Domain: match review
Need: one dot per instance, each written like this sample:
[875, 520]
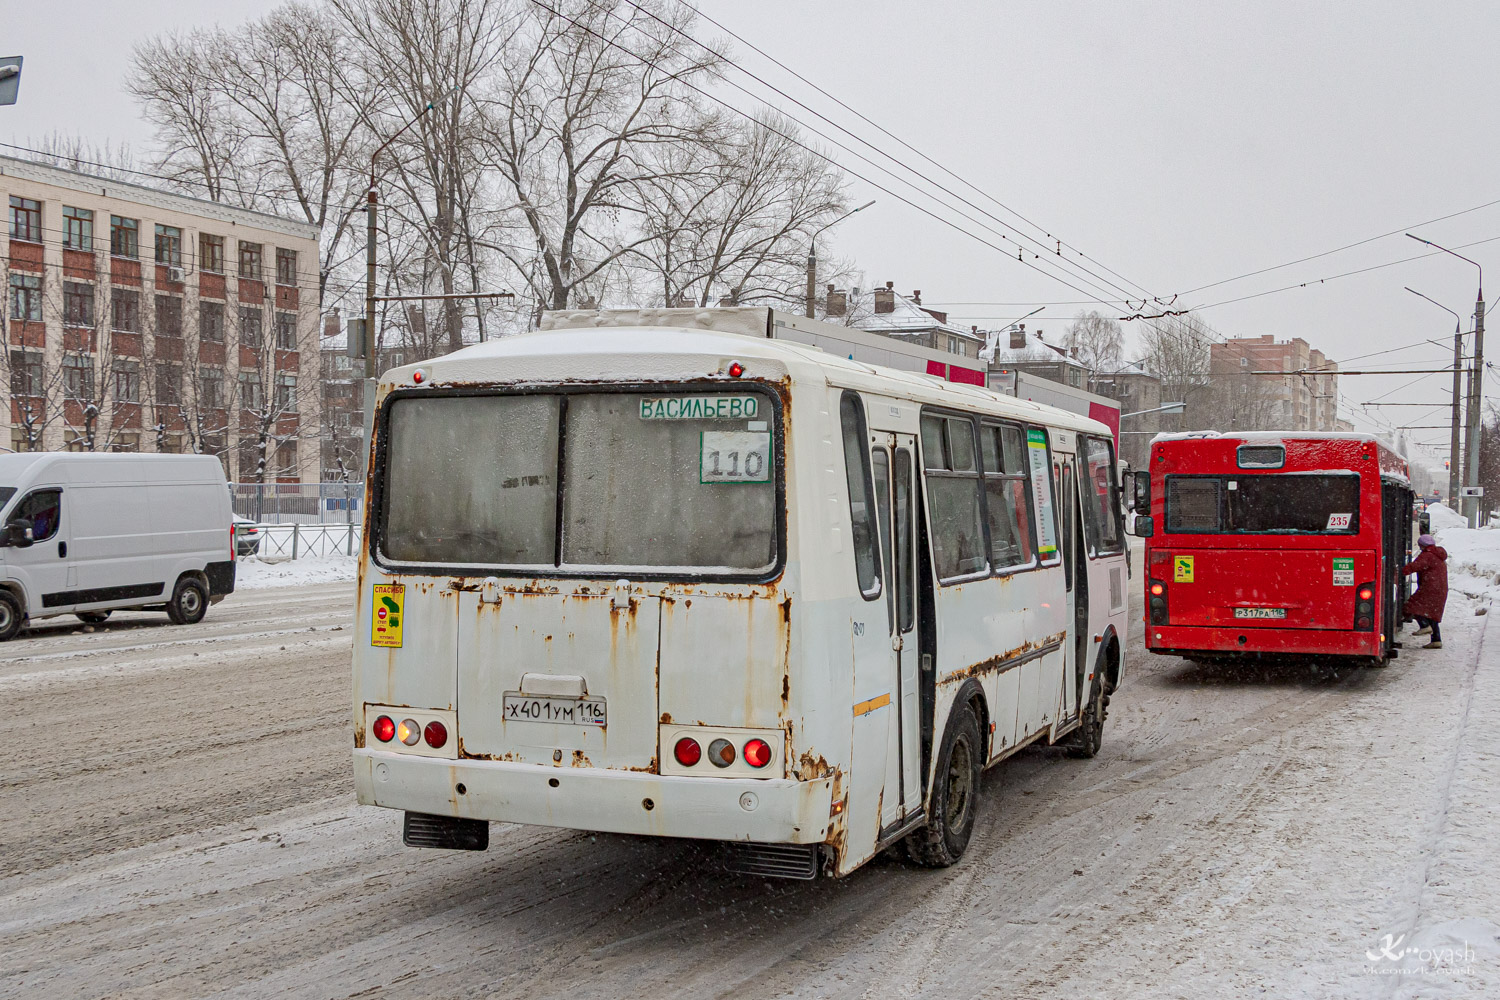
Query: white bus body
[87, 534]
[858, 580]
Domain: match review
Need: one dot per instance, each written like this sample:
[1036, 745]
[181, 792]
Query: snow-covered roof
[1036, 349]
[910, 317]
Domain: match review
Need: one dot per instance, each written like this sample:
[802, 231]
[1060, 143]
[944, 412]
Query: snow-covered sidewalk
[253, 573]
[1473, 553]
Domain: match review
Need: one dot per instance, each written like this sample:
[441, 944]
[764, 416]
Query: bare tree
[1095, 340]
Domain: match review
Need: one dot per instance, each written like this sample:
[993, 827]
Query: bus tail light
[757, 753]
[1364, 608]
[721, 753]
[687, 751]
[385, 729]
[1159, 614]
[409, 732]
[436, 734]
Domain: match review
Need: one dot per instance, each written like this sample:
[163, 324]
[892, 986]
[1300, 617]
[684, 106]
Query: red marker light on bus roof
[736, 369]
[418, 376]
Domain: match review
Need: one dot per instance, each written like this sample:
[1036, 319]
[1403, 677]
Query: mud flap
[447, 833]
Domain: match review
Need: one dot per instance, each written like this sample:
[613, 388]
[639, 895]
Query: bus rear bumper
[1187, 640]
[764, 810]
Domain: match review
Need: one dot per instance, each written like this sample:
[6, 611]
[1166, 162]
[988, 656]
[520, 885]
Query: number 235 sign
[734, 457]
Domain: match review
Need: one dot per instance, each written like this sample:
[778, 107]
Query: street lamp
[1453, 476]
[1476, 387]
[812, 255]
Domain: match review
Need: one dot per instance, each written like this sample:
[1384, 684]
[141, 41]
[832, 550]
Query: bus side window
[881, 466]
[861, 501]
[1007, 504]
[954, 488]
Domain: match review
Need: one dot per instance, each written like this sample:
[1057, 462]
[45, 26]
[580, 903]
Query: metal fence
[298, 541]
[299, 503]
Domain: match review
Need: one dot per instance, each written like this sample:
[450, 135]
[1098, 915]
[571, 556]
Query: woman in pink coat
[1426, 605]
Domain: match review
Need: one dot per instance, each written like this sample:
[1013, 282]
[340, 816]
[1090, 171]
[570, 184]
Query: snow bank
[1473, 553]
[255, 574]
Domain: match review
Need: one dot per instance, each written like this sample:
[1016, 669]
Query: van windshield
[662, 481]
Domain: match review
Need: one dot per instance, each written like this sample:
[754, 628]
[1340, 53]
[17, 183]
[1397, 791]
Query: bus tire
[1084, 742]
[955, 796]
[12, 617]
[189, 602]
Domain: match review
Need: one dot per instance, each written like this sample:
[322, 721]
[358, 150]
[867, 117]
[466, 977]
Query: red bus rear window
[1288, 503]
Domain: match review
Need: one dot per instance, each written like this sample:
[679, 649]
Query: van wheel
[93, 617]
[11, 615]
[189, 602]
[1087, 738]
[955, 796]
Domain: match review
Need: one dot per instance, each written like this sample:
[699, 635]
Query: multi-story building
[1297, 402]
[1017, 349]
[141, 320]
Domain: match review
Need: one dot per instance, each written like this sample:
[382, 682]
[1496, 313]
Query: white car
[88, 534]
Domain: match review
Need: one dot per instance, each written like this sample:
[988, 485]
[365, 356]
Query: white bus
[652, 578]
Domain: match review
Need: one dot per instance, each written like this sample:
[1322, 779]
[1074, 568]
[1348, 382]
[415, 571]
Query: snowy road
[176, 819]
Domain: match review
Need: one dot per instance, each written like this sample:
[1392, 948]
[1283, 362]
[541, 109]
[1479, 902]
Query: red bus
[1268, 544]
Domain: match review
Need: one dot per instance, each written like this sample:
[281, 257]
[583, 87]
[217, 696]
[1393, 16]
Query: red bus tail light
[385, 729]
[757, 753]
[687, 751]
[1364, 608]
[1159, 613]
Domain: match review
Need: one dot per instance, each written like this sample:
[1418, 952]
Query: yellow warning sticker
[1182, 569]
[385, 617]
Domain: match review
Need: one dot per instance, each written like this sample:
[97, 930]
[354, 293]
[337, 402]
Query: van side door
[44, 568]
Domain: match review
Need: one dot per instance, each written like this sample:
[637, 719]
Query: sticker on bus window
[700, 408]
[1338, 522]
[1182, 569]
[734, 457]
[1041, 495]
[1343, 572]
[386, 615]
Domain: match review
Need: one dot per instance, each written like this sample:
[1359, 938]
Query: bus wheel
[955, 796]
[11, 615]
[1089, 736]
[189, 602]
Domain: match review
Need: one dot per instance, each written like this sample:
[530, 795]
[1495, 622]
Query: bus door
[1075, 565]
[894, 469]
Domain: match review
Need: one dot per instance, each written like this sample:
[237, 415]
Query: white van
[87, 534]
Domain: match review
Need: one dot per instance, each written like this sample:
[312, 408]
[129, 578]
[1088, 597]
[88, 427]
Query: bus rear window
[1292, 503]
[663, 482]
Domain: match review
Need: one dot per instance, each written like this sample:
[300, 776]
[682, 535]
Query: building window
[286, 331]
[78, 303]
[26, 297]
[211, 388]
[286, 458]
[125, 310]
[286, 393]
[250, 254]
[124, 237]
[251, 398]
[78, 228]
[250, 327]
[26, 373]
[211, 322]
[126, 442]
[127, 379]
[168, 385]
[25, 219]
[286, 267]
[169, 245]
[168, 316]
[211, 253]
[78, 377]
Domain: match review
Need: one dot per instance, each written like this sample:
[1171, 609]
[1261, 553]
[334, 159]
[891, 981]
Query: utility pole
[1453, 448]
[812, 256]
[1476, 389]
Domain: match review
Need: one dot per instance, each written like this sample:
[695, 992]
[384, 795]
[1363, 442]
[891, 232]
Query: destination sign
[699, 408]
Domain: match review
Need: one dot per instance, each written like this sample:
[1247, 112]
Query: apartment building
[140, 320]
[1295, 402]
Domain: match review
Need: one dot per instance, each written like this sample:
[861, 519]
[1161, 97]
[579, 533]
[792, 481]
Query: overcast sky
[1177, 144]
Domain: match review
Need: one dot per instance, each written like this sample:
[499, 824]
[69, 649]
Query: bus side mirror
[1145, 526]
[1141, 501]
